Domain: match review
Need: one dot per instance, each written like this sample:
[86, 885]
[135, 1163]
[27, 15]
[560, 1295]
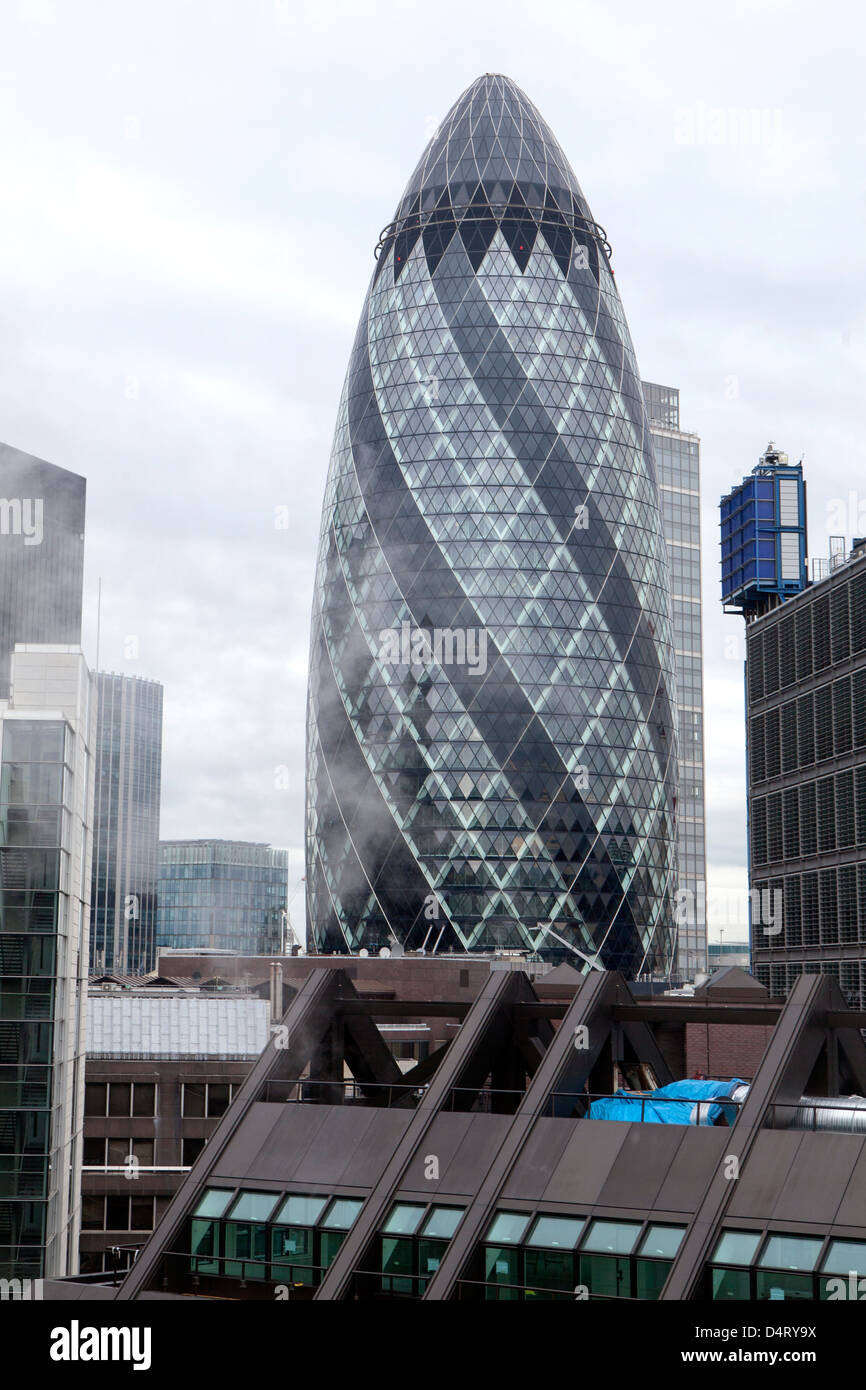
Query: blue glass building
[126, 824]
[221, 893]
[492, 745]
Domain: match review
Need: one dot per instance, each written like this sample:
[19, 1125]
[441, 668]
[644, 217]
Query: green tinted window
[731, 1284]
[300, 1211]
[662, 1241]
[549, 1269]
[213, 1202]
[397, 1260]
[507, 1227]
[790, 1252]
[341, 1213]
[294, 1241]
[500, 1267]
[253, 1206]
[331, 1242]
[556, 1232]
[606, 1276]
[403, 1219]
[430, 1254]
[774, 1285]
[845, 1257]
[442, 1222]
[736, 1247]
[651, 1275]
[618, 1237]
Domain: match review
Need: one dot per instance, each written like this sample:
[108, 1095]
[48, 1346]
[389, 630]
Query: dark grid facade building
[491, 746]
[480, 1175]
[221, 893]
[678, 465]
[126, 827]
[806, 702]
[41, 554]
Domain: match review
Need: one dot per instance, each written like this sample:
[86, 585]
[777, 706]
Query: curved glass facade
[491, 743]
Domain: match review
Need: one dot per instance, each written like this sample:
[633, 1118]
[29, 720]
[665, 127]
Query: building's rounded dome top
[493, 136]
[492, 162]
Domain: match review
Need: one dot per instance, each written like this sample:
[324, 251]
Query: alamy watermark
[419, 646]
[21, 1290]
[733, 125]
[762, 907]
[22, 516]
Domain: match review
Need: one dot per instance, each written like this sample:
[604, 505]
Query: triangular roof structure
[733, 983]
[563, 981]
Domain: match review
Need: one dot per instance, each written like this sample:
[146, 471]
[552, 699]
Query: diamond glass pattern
[491, 740]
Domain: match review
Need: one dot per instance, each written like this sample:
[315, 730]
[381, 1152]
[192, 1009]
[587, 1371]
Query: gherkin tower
[491, 731]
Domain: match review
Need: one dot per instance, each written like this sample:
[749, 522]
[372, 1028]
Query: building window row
[289, 1239]
[815, 636]
[817, 817]
[526, 1256]
[781, 976]
[757, 1266]
[824, 723]
[100, 1152]
[826, 907]
[117, 1153]
[117, 1213]
[205, 1099]
[120, 1098]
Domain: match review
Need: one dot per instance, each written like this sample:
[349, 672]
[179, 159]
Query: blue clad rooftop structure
[764, 534]
[492, 732]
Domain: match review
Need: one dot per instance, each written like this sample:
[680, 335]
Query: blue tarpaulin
[680, 1103]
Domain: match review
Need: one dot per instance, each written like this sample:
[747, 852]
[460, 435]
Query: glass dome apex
[493, 135]
[493, 164]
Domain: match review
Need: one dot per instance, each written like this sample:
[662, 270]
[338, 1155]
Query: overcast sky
[190, 194]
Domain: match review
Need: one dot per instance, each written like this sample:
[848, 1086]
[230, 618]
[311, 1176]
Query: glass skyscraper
[678, 462]
[47, 729]
[492, 736]
[221, 893]
[46, 804]
[126, 824]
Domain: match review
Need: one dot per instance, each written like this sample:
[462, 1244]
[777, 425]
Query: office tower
[806, 723]
[46, 808]
[805, 729]
[491, 744]
[41, 554]
[678, 466]
[126, 824]
[222, 893]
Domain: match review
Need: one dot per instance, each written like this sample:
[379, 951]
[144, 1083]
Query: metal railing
[485, 1289]
[485, 1100]
[818, 1114]
[516, 214]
